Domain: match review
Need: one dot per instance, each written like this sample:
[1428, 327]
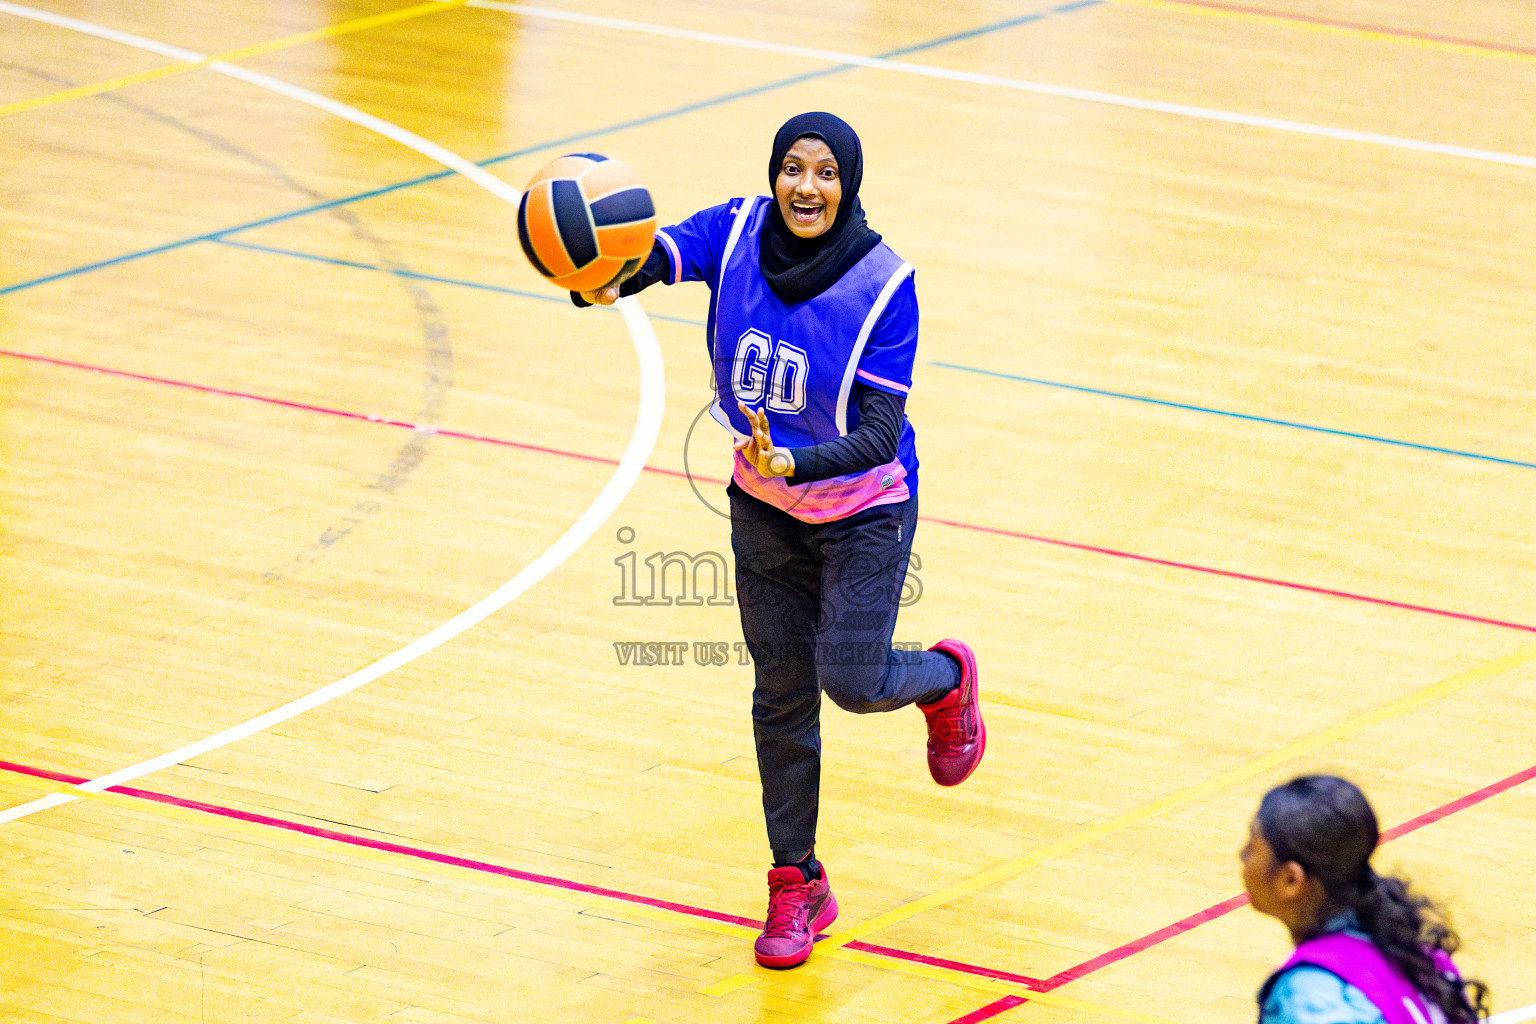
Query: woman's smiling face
[808, 187]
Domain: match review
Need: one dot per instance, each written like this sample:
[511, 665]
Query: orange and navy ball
[586, 222]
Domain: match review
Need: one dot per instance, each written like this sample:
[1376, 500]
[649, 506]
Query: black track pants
[818, 609]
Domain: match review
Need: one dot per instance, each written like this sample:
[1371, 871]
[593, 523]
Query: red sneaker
[957, 737]
[797, 910]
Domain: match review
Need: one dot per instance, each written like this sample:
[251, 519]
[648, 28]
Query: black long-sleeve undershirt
[655, 268]
[872, 443]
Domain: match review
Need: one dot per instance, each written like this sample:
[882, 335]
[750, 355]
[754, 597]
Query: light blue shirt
[1307, 994]
[1310, 995]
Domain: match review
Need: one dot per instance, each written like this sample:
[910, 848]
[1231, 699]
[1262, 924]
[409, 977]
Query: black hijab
[798, 268]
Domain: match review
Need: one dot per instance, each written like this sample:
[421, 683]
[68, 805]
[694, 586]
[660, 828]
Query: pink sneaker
[957, 737]
[797, 910]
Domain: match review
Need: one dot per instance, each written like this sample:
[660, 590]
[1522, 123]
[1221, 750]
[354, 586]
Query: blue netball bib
[798, 363]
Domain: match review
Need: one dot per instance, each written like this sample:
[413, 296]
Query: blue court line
[543, 297]
[216, 236]
[986, 29]
[1238, 415]
[481, 286]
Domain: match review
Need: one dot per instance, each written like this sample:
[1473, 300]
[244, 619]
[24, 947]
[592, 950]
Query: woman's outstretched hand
[759, 449]
[601, 296]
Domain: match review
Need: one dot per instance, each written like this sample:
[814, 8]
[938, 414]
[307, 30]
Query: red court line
[1145, 942]
[496, 869]
[1400, 33]
[1071, 974]
[1229, 574]
[1430, 817]
[387, 847]
[489, 868]
[326, 410]
[41, 773]
[1073, 545]
[1227, 906]
[952, 965]
[991, 1010]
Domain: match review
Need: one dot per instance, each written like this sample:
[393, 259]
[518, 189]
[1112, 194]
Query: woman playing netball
[1367, 952]
[812, 330]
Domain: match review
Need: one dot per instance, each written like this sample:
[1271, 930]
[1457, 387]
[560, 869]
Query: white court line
[641, 441]
[1041, 88]
[1513, 1016]
[1019, 84]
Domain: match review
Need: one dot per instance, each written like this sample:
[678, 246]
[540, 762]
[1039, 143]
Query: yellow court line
[834, 946]
[319, 844]
[257, 49]
[950, 977]
[1354, 31]
[729, 985]
[1191, 794]
[985, 984]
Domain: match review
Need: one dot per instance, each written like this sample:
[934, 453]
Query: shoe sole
[960, 649]
[827, 916]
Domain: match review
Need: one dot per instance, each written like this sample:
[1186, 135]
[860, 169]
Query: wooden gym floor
[1224, 404]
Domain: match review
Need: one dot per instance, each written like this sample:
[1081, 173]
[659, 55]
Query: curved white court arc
[641, 442]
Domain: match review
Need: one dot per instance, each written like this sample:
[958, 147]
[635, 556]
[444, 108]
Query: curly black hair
[1325, 824]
